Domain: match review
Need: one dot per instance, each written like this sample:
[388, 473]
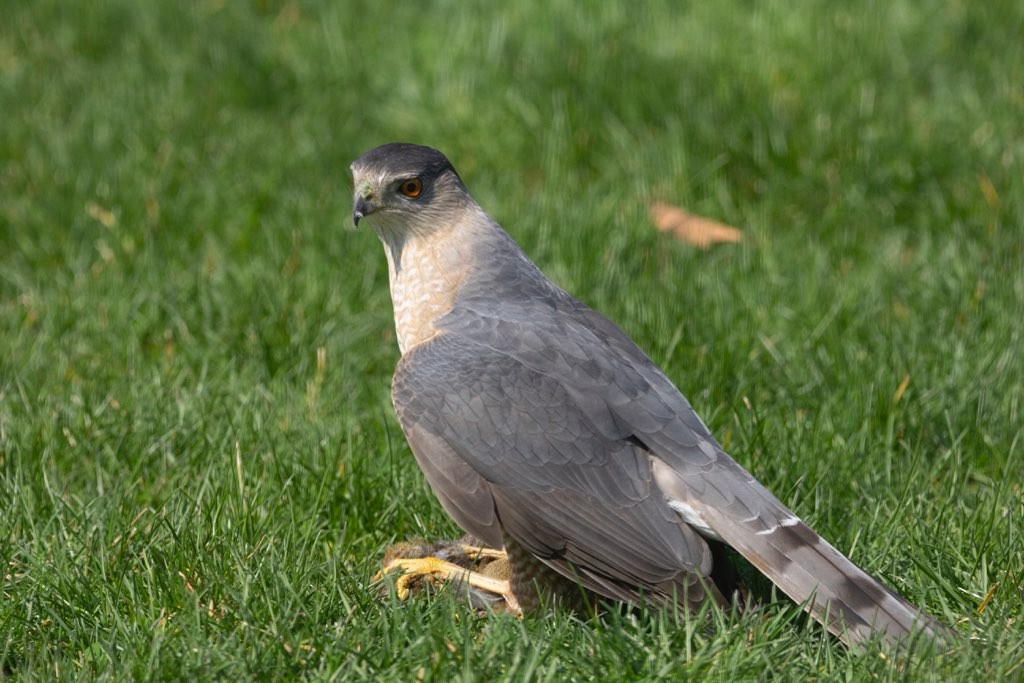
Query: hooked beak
[361, 209]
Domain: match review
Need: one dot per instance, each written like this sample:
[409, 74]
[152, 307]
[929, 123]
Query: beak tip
[360, 210]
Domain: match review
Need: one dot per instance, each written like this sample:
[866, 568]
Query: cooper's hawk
[544, 430]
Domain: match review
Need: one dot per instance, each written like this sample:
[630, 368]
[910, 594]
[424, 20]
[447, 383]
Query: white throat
[427, 265]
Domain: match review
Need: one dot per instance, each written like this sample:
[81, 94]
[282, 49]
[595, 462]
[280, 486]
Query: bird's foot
[481, 571]
[433, 570]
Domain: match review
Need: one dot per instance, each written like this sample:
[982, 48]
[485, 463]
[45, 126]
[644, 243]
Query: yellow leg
[478, 552]
[434, 569]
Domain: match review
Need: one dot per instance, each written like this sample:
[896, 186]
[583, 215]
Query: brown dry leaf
[700, 232]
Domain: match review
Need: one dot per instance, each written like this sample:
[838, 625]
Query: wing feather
[555, 483]
[598, 465]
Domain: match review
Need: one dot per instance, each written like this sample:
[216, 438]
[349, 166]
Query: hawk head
[401, 186]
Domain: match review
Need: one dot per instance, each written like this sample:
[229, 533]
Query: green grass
[185, 491]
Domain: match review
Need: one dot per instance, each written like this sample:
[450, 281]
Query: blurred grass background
[199, 464]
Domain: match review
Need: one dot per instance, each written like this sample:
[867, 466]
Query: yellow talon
[434, 569]
[413, 569]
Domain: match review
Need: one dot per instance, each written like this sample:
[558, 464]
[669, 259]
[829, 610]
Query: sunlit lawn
[199, 463]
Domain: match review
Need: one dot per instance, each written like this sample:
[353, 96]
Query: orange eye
[411, 187]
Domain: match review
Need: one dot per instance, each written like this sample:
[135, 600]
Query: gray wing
[591, 455]
[505, 448]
